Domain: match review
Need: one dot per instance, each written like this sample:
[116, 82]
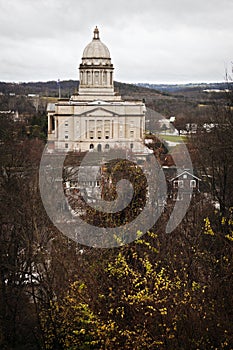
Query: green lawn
[173, 138]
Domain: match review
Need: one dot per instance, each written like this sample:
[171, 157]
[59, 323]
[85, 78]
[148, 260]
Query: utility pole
[59, 88]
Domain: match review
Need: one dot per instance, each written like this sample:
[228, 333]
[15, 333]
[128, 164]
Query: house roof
[185, 172]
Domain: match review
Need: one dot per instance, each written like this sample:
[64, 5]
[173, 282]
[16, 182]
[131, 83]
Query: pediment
[99, 112]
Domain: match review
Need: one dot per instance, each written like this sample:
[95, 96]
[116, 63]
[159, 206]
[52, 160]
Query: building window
[66, 136]
[66, 145]
[91, 146]
[178, 184]
[107, 146]
[107, 128]
[193, 183]
[131, 145]
[99, 126]
[107, 134]
[185, 176]
[131, 134]
[66, 123]
[53, 123]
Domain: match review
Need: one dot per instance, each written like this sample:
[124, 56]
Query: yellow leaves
[152, 308]
[230, 222]
[77, 286]
[195, 286]
[226, 221]
[171, 336]
[120, 311]
[148, 245]
[152, 234]
[159, 342]
[204, 289]
[163, 311]
[76, 324]
[141, 304]
[229, 236]
[148, 266]
[81, 331]
[101, 296]
[207, 228]
[139, 233]
[118, 240]
[119, 267]
[226, 230]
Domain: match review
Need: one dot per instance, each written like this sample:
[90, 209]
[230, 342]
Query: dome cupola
[96, 69]
[96, 49]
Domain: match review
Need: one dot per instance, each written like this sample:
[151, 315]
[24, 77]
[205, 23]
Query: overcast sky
[156, 41]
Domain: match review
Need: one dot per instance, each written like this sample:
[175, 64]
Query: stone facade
[96, 118]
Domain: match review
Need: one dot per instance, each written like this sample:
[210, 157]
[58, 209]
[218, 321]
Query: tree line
[163, 291]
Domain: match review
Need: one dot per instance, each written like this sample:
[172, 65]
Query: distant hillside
[68, 87]
[128, 91]
[186, 87]
[180, 98]
[150, 92]
[49, 88]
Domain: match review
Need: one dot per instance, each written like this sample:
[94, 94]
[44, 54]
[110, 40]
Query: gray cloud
[153, 40]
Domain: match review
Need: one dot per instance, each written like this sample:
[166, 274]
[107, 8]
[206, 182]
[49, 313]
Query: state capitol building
[96, 118]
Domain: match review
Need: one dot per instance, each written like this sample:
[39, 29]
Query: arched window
[99, 147]
[91, 146]
[107, 146]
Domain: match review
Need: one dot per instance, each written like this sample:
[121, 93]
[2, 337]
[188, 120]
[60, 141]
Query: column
[49, 124]
[112, 129]
[111, 81]
[101, 77]
[56, 127]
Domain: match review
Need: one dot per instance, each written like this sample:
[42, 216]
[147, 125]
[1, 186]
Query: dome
[96, 49]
